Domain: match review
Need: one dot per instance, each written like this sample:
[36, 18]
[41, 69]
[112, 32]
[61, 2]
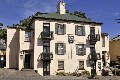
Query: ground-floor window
[60, 65]
[81, 65]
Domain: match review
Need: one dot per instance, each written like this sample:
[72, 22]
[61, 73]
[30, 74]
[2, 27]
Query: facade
[58, 42]
[114, 49]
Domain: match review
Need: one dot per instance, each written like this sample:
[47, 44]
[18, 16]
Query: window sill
[60, 54]
[60, 34]
[80, 35]
[81, 54]
[60, 69]
[27, 41]
[81, 69]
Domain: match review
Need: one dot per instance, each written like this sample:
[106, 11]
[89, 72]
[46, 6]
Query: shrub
[85, 73]
[61, 73]
[105, 72]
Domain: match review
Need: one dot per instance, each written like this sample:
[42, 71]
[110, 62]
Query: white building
[58, 42]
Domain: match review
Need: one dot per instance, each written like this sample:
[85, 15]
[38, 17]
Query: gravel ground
[11, 74]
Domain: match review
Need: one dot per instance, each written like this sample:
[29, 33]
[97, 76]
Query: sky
[104, 11]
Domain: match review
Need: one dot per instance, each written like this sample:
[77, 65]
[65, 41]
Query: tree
[26, 22]
[3, 34]
[1, 24]
[80, 14]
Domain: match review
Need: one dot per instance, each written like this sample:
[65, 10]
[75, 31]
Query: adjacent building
[58, 42]
[114, 50]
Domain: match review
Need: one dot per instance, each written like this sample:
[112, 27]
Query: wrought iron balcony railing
[46, 56]
[94, 38]
[94, 56]
[47, 35]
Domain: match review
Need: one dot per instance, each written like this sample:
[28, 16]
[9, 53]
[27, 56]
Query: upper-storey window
[92, 30]
[60, 29]
[80, 30]
[27, 35]
[103, 41]
[60, 48]
[80, 49]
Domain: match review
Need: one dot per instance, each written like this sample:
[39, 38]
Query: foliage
[67, 11]
[26, 22]
[1, 24]
[80, 14]
[60, 73]
[105, 72]
[3, 34]
[85, 73]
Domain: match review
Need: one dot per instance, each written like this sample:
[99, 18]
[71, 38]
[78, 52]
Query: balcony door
[46, 29]
[46, 68]
[92, 30]
[46, 63]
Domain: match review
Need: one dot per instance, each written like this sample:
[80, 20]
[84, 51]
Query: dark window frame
[60, 64]
[82, 65]
[60, 25]
[83, 49]
[83, 30]
[28, 37]
[63, 48]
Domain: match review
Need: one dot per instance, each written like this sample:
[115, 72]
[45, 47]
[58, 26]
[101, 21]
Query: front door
[27, 61]
[2, 60]
[46, 68]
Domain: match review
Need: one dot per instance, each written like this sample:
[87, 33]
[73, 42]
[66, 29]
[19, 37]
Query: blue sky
[105, 11]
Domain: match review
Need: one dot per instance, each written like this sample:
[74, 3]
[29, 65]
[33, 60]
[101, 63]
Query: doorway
[46, 68]
[27, 61]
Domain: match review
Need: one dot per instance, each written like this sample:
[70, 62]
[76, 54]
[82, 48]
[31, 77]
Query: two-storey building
[58, 42]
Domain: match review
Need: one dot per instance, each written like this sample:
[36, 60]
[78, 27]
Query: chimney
[61, 7]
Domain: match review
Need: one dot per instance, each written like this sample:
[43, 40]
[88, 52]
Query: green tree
[1, 24]
[80, 14]
[3, 34]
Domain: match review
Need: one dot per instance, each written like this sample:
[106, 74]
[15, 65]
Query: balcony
[94, 56]
[94, 38]
[46, 56]
[47, 35]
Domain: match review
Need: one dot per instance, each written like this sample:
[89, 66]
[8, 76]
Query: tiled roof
[67, 17]
[115, 38]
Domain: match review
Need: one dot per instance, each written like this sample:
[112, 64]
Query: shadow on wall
[13, 54]
[39, 63]
[39, 42]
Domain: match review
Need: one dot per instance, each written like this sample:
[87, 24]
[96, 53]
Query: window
[80, 30]
[60, 29]
[80, 49]
[27, 36]
[60, 48]
[81, 65]
[60, 65]
[103, 41]
[46, 47]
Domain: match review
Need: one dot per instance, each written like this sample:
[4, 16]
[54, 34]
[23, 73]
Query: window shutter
[64, 47]
[83, 30]
[56, 48]
[76, 30]
[84, 49]
[56, 26]
[64, 28]
[76, 49]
